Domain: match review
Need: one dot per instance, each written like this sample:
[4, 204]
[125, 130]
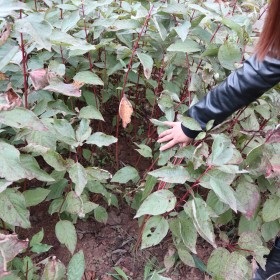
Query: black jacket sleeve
[241, 87]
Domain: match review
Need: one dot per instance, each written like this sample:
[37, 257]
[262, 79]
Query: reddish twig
[135, 46]
[24, 67]
[161, 70]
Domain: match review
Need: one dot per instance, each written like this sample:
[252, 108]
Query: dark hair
[269, 42]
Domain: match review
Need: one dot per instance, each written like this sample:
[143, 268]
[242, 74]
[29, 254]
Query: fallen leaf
[5, 33]
[125, 111]
[9, 100]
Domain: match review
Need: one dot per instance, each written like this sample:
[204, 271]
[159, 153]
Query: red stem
[24, 60]
[156, 94]
[135, 46]
[249, 141]
[212, 38]
[195, 184]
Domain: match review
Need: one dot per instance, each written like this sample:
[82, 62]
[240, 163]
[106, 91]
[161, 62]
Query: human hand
[174, 135]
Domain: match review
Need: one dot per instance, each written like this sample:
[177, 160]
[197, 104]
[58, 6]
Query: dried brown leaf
[39, 78]
[9, 100]
[10, 246]
[3, 77]
[125, 111]
[77, 84]
[5, 33]
[56, 85]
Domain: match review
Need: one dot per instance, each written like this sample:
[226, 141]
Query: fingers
[170, 123]
[165, 138]
[182, 145]
[164, 133]
[168, 145]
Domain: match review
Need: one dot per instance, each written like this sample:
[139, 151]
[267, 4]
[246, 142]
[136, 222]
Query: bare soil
[110, 245]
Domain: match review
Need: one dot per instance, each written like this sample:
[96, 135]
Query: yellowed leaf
[3, 77]
[77, 84]
[125, 111]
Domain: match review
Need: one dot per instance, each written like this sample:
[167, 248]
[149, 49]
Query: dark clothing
[241, 87]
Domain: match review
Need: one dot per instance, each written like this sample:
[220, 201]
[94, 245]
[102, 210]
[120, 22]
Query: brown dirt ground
[110, 245]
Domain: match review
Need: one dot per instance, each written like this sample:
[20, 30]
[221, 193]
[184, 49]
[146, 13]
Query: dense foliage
[70, 63]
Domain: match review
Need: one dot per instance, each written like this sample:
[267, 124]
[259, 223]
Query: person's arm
[240, 88]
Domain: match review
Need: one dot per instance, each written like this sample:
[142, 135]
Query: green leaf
[41, 248]
[39, 29]
[160, 27]
[74, 204]
[10, 166]
[35, 196]
[183, 30]
[237, 267]
[269, 230]
[31, 165]
[226, 194]
[88, 77]
[78, 175]
[66, 234]
[4, 184]
[171, 174]
[199, 264]
[55, 160]
[37, 238]
[190, 123]
[155, 230]
[188, 46]
[147, 62]
[271, 209]
[121, 273]
[249, 198]
[76, 266]
[21, 118]
[186, 257]
[101, 139]
[229, 54]
[100, 214]
[157, 203]
[70, 21]
[222, 150]
[144, 150]
[7, 8]
[125, 174]
[64, 131]
[13, 208]
[83, 131]
[7, 55]
[216, 263]
[66, 89]
[54, 270]
[58, 69]
[187, 232]
[253, 224]
[201, 215]
[98, 174]
[90, 112]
